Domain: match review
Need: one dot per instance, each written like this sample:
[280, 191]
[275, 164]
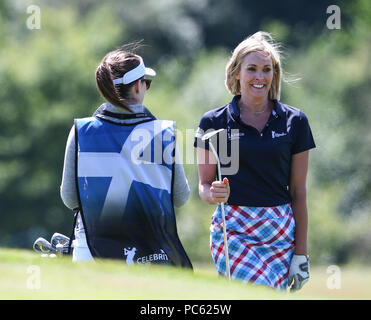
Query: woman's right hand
[219, 191]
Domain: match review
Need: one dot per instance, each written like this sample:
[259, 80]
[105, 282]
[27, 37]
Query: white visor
[135, 74]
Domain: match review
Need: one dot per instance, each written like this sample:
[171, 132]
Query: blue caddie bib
[124, 181]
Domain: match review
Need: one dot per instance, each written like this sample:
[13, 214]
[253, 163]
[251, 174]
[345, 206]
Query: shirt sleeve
[68, 190]
[304, 138]
[181, 187]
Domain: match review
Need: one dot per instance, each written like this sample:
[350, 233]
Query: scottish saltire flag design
[124, 179]
[115, 161]
[260, 243]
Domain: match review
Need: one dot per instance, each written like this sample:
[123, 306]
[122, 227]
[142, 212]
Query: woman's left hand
[299, 271]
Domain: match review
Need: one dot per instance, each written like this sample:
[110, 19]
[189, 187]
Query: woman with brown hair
[120, 173]
[265, 196]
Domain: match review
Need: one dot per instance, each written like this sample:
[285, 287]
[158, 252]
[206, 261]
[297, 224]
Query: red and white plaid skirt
[260, 243]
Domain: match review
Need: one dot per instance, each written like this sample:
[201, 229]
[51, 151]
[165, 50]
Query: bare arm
[299, 169]
[210, 191]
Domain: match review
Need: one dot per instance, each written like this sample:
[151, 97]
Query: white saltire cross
[113, 164]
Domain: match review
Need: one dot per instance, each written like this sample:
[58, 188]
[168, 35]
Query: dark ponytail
[114, 65]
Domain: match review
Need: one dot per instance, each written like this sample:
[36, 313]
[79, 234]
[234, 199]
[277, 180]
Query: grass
[62, 279]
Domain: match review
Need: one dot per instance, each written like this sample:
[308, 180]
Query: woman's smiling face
[256, 74]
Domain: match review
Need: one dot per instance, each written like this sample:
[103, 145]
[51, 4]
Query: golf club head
[42, 245]
[60, 242]
[59, 238]
[210, 134]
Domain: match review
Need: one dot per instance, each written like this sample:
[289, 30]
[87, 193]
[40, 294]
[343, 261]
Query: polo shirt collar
[235, 110]
[277, 109]
[233, 107]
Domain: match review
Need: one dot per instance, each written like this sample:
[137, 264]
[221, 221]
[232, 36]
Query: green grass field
[25, 275]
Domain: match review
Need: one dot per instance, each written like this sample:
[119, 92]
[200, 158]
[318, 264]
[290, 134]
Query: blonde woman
[120, 174]
[265, 199]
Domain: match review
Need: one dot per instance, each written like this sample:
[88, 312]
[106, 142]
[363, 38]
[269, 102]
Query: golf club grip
[217, 160]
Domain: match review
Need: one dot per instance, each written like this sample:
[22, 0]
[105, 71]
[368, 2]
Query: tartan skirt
[260, 243]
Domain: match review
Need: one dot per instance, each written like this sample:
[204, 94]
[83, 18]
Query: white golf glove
[299, 271]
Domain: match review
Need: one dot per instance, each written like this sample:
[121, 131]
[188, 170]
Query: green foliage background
[47, 79]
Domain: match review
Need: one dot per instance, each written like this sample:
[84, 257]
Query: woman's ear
[136, 86]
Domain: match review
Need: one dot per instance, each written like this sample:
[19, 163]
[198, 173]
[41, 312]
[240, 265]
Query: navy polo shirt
[264, 158]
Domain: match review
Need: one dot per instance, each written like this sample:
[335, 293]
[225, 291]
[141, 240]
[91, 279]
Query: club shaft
[223, 215]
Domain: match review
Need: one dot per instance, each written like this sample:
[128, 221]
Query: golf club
[60, 242]
[205, 137]
[42, 245]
